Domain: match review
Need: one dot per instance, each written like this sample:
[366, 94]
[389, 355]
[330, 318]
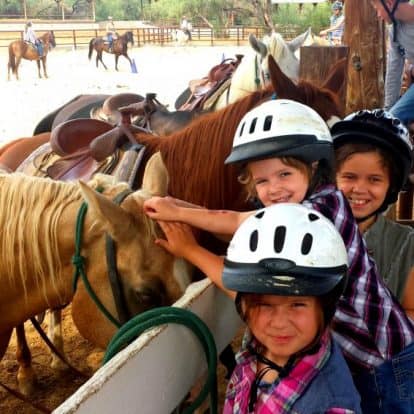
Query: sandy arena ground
[164, 70]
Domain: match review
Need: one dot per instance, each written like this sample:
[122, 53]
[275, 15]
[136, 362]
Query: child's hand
[161, 208]
[179, 240]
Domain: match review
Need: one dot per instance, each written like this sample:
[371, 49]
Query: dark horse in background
[19, 49]
[119, 48]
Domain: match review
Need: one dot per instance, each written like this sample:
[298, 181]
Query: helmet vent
[307, 243]
[260, 214]
[254, 238]
[253, 125]
[268, 123]
[313, 217]
[241, 129]
[279, 241]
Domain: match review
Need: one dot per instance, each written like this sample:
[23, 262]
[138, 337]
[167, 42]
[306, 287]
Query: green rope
[79, 262]
[163, 315]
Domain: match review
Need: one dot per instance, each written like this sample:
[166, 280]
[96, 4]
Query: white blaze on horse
[39, 245]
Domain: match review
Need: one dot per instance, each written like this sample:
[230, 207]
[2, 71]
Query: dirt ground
[54, 387]
[164, 70]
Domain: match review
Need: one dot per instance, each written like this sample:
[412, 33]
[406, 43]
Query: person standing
[30, 37]
[397, 13]
[110, 32]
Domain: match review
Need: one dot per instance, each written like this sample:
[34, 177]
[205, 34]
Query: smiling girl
[373, 158]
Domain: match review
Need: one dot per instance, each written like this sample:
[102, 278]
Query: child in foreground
[287, 296]
[373, 160]
[286, 149]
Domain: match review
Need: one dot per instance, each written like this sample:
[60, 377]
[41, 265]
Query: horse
[19, 49]
[39, 277]
[179, 36]
[119, 48]
[214, 184]
[252, 72]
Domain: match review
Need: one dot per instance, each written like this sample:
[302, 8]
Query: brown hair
[344, 152]
[245, 177]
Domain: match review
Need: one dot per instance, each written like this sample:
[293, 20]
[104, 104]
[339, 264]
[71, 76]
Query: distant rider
[110, 32]
[30, 37]
[186, 27]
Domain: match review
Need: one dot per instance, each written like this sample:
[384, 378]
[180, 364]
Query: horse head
[323, 98]
[129, 36]
[283, 52]
[50, 38]
[149, 276]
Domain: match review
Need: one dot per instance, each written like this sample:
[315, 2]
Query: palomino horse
[19, 49]
[210, 137]
[119, 48]
[52, 230]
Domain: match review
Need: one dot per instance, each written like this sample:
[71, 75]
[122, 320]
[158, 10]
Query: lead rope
[79, 262]
[169, 314]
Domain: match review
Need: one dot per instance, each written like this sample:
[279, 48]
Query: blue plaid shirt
[369, 324]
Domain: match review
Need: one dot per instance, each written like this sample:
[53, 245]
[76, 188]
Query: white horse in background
[180, 36]
[253, 74]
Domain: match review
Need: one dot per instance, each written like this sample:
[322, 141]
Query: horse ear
[283, 86]
[336, 78]
[298, 41]
[155, 180]
[258, 45]
[110, 216]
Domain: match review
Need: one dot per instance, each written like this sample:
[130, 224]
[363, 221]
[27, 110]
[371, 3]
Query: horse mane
[321, 99]
[31, 236]
[205, 142]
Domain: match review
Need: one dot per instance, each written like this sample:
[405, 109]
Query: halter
[79, 262]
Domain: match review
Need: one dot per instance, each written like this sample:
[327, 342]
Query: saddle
[82, 147]
[109, 110]
[204, 88]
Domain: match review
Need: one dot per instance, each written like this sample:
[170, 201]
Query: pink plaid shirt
[279, 397]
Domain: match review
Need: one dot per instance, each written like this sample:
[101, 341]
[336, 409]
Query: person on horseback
[400, 14]
[111, 33]
[30, 37]
[186, 27]
[337, 22]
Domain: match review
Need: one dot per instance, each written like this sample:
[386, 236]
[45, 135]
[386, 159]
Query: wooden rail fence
[80, 37]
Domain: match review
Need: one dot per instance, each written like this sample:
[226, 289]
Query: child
[373, 160]
[287, 149]
[287, 297]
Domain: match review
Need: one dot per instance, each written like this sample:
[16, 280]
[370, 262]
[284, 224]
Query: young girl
[287, 149]
[287, 296]
[373, 159]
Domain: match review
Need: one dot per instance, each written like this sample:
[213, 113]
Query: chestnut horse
[119, 48]
[19, 49]
[194, 156]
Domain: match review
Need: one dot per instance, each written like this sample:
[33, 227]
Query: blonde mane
[32, 208]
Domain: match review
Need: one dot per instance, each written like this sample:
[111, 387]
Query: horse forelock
[199, 152]
[322, 100]
[29, 244]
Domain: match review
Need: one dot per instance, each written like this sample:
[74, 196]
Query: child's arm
[180, 242]
[214, 221]
[408, 298]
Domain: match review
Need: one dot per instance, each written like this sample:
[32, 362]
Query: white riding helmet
[287, 250]
[281, 128]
